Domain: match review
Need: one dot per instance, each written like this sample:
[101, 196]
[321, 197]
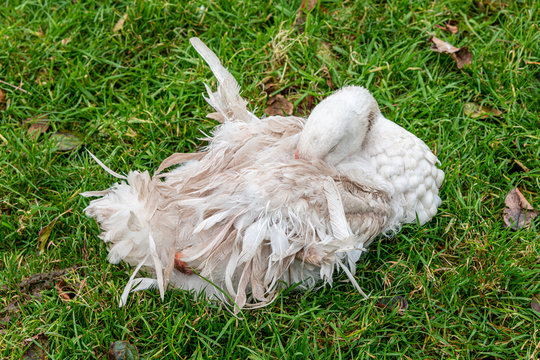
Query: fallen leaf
[453, 29]
[37, 128]
[518, 212]
[449, 27]
[2, 99]
[123, 350]
[390, 303]
[62, 293]
[38, 125]
[64, 290]
[308, 5]
[120, 24]
[44, 233]
[535, 303]
[278, 105]
[66, 140]
[479, 111]
[462, 56]
[36, 347]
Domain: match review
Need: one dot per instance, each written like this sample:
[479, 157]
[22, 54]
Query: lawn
[121, 78]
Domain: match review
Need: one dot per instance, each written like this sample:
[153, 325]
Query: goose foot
[180, 265]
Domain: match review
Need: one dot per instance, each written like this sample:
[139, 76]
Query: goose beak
[296, 156]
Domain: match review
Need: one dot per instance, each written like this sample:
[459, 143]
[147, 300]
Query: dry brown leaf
[448, 27]
[37, 128]
[308, 5]
[278, 105]
[36, 347]
[479, 111]
[462, 56]
[518, 212]
[120, 24]
[38, 125]
[63, 294]
[2, 97]
[453, 29]
[65, 291]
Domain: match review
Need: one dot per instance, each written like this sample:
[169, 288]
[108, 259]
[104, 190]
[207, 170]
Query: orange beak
[296, 156]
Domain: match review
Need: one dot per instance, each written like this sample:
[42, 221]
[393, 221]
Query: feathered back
[257, 211]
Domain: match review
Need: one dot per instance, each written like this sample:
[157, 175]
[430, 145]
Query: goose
[270, 202]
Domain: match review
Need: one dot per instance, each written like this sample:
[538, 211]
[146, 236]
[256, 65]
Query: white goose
[271, 201]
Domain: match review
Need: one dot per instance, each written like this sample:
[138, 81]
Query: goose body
[271, 201]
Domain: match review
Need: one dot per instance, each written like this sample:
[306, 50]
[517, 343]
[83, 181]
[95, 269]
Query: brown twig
[14, 86]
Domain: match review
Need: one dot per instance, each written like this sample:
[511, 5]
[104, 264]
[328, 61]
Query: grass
[134, 97]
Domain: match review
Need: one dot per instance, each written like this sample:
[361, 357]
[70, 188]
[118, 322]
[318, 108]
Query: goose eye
[333, 148]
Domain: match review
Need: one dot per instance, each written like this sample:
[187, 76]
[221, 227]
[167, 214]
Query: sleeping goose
[272, 201]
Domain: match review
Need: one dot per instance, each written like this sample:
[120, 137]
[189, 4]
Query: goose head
[338, 126]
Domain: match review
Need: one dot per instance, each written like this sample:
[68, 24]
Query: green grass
[135, 97]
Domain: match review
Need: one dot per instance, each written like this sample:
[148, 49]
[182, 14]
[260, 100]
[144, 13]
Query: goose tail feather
[125, 213]
[227, 102]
